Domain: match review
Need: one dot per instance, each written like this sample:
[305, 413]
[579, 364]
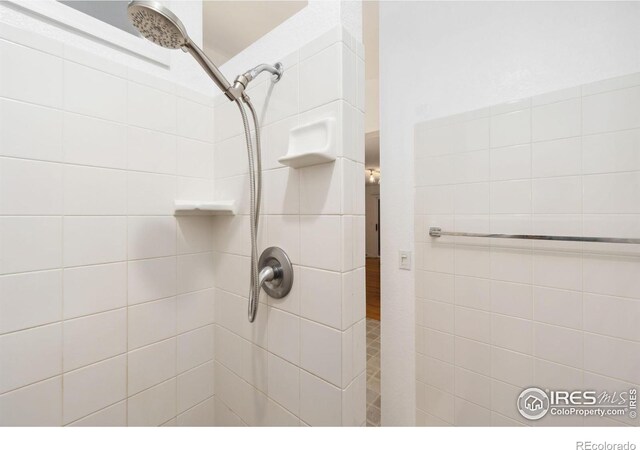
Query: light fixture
[372, 176]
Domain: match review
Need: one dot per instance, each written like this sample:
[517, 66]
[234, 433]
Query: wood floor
[373, 288]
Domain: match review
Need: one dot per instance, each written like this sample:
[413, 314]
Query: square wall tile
[284, 383]
[319, 346]
[93, 338]
[556, 120]
[36, 405]
[92, 191]
[558, 344]
[30, 299]
[151, 365]
[151, 322]
[195, 310]
[323, 254]
[321, 188]
[151, 279]
[321, 77]
[31, 75]
[320, 402]
[111, 416]
[195, 386]
[82, 147]
[17, 120]
[94, 240]
[195, 347]
[94, 387]
[29, 356]
[151, 237]
[558, 157]
[30, 243]
[154, 406]
[611, 152]
[81, 96]
[194, 120]
[611, 111]
[284, 335]
[321, 296]
[151, 108]
[30, 188]
[201, 415]
[195, 158]
[150, 194]
[151, 151]
[511, 128]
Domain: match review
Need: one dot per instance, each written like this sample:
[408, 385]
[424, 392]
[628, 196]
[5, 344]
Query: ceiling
[231, 26]
[372, 150]
[370, 20]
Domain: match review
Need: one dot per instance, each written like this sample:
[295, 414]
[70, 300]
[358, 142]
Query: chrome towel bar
[437, 232]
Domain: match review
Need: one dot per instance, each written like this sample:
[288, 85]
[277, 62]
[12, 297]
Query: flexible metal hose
[255, 187]
[256, 122]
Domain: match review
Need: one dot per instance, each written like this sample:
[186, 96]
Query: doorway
[373, 231]
[370, 19]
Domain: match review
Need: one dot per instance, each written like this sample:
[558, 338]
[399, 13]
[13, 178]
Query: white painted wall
[313, 21]
[437, 59]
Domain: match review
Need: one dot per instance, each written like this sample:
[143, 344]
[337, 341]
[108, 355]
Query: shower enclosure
[125, 211]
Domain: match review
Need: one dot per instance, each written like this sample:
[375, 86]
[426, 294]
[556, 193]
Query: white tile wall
[302, 362]
[493, 317]
[102, 290]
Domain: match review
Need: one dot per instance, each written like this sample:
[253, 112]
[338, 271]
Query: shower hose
[255, 188]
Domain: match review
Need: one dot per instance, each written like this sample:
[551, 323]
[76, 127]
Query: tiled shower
[124, 292]
[116, 311]
[495, 316]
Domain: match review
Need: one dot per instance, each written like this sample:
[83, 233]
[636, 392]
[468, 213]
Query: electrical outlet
[405, 260]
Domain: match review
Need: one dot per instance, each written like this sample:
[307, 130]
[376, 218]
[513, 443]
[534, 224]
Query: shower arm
[242, 81]
[236, 91]
[275, 70]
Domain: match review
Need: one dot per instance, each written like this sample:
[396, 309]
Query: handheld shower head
[158, 24]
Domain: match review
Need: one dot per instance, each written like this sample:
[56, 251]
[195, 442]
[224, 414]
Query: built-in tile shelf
[311, 144]
[196, 208]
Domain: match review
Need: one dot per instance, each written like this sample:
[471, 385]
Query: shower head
[159, 25]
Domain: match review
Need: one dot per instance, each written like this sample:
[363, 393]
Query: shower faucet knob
[276, 272]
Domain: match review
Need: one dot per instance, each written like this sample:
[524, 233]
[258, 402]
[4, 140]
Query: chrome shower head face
[158, 24]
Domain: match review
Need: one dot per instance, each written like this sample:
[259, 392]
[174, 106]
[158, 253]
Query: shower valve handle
[276, 272]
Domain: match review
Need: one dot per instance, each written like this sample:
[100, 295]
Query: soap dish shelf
[213, 208]
[311, 144]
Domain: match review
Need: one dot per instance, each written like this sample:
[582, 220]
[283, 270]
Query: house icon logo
[533, 403]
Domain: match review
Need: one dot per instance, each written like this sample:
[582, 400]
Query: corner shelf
[196, 208]
[311, 144]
